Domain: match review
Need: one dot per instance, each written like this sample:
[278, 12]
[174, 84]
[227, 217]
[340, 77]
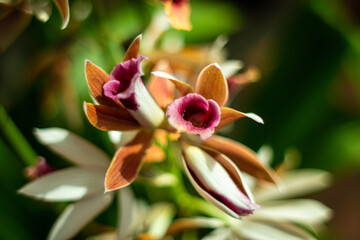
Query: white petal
[294, 183]
[164, 75]
[159, 219]
[158, 25]
[219, 234]
[66, 185]
[104, 236]
[77, 215]
[121, 138]
[270, 231]
[302, 211]
[42, 10]
[254, 117]
[72, 147]
[127, 213]
[265, 154]
[230, 67]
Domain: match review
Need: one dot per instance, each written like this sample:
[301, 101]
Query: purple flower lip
[194, 114]
[122, 79]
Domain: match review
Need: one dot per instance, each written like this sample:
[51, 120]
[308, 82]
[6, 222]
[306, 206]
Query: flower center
[193, 114]
[198, 117]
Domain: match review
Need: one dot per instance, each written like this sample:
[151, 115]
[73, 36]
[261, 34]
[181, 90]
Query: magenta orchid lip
[125, 84]
[122, 79]
[194, 114]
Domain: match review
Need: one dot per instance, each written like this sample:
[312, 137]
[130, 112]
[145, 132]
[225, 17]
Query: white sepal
[72, 147]
[69, 184]
[77, 215]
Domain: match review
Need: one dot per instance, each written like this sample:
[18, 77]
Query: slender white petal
[302, 211]
[126, 214]
[295, 183]
[164, 75]
[121, 138]
[157, 27]
[72, 147]
[219, 234]
[270, 231]
[159, 219]
[66, 185]
[254, 117]
[230, 67]
[77, 215]
[265, 154]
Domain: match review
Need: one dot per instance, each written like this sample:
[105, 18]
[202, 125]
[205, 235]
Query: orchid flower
[125, 104]
[212, 163]
[81, 184]
[279, 218]
[178, 13]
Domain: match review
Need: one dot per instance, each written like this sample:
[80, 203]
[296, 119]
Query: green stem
[15, 139]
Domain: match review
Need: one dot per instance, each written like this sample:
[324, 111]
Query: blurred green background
[308, 53]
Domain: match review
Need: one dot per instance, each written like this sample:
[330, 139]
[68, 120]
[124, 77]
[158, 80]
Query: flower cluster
[212, 163]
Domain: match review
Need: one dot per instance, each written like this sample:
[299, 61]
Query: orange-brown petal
[133, 49]
[63, 7]
[212, 84]
[127, 161]
[244, 158]
[228, 115]
[154, 154]
[160, 88]
[108, 118]
[96, 78]
[178, 14]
